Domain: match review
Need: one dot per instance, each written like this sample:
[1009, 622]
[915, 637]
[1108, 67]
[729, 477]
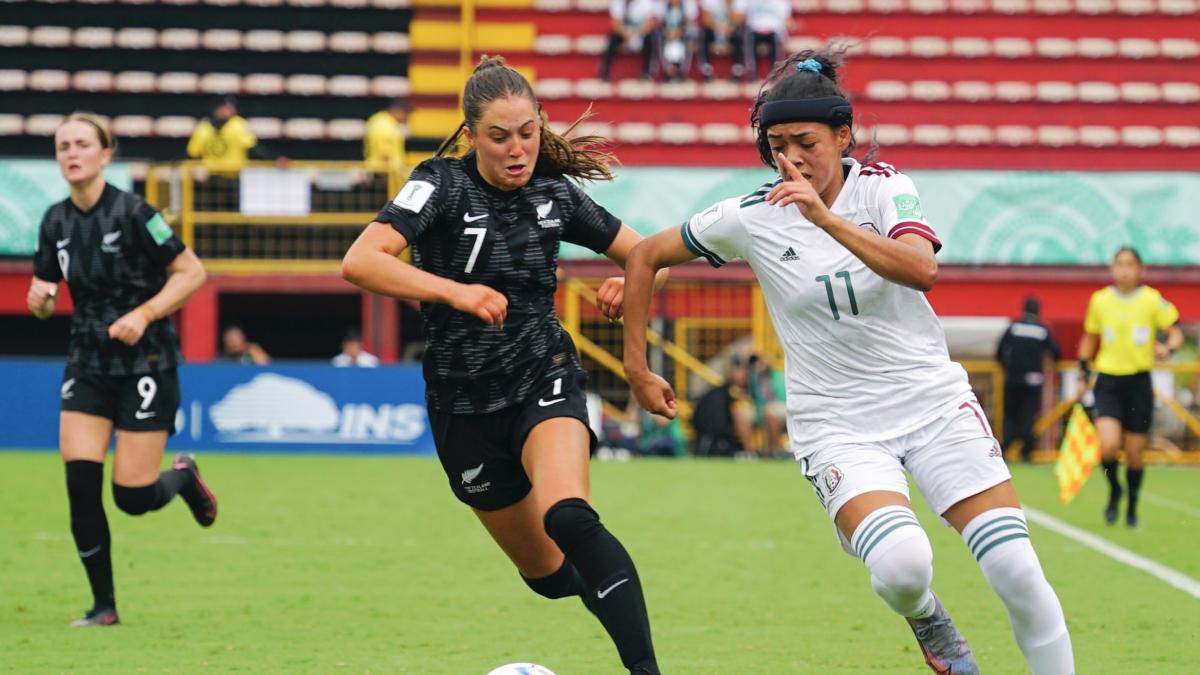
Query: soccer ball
[522, 669]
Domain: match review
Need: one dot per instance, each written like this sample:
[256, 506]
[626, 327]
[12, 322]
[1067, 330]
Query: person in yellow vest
[383, 141]
[1125, 320]
[223, 141]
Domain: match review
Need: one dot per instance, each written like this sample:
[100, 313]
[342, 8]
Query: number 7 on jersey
[479, 233]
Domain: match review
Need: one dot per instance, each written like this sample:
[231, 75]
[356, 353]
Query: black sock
[89, 526]
[1134, 478]
[138, 500]
[563, 583]
[1114, 483]
[614, 590]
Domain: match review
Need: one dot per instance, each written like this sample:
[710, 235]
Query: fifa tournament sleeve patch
[159, 230]
[414, 195]
[908, 206]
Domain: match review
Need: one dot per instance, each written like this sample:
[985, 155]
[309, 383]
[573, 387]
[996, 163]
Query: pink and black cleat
[199, 498]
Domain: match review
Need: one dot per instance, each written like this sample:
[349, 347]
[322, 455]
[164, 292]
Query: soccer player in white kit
[843, 254]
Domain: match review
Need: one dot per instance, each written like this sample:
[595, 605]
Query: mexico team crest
[832, 478]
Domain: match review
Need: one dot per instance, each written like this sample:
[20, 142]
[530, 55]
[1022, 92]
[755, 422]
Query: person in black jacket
[1022, 351]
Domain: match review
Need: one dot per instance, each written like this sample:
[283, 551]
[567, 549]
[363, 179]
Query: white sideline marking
[1172, 504]
[1175, 578]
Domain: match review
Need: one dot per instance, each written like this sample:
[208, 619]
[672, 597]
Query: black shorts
[134, 403]
[1128, 398]
[481, 454]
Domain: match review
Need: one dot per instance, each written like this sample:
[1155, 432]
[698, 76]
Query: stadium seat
[390, 43]
[305, 3]
[1011, 48]
[928, 6]
[1014, 135]
[678, 133]
[844, 6]
[264, 3]
[389, 86]
[932, 134]
[305, 85]
[1177, 7]
[800, 43]
[14, 36]
[973, 134]
[1013, 91]
[929, 90]
[636, 89]
[969, 6]
[92, 80]
[1098, 136]
[345, 129]
[304, 41]
[178, 82]
[223, 3]
[886, 6]
[174, 126]
[928, 47]
[179, 38]
[1054, 92]
[720, 90]
[591, 5]
[350, 42]
[1181, 92]
[1098, 92]
[1179, 48]
[12, 80]
[1137, 48]
[1136, 7]
[50, 36]
[887, 90]
[11, 125]
[137, 38]
[1011, 6]
[721, 134]
[263, 40]
[972, 90]
[42, 125]
[304, 128]
[135, 81]
[378, 4]
[1054, 48]
[220, 83]
[635, 132]
[591, 44]
[180, 2]
[1052, 7]
[685, 90]
[1096, 48]
[1141, 136]
[891, 134]
[1140, 92]
[970, 47]
[1094, 7]
[552, 5]
[133, 126]
[593, 89]
[97, 37]
[553, 88]
[887, 47]
[1057, 136]
[1182, 137]
[552, 44]
[355, 86]
[222, 40]
[49, 80]
[265, 127]
[263, 83]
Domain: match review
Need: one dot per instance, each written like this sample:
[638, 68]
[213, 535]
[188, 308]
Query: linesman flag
[1079, 454]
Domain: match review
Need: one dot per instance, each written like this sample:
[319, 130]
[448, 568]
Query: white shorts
[951, 458]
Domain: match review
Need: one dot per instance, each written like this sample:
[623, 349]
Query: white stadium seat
[591, 44]
[1096, 136]
[179, 38]
[222, 40]
[593, 89]
[137, 38]
[350, 4]
[14, 36]
[891, 134]
[886, 6]
[721, 134]
[223, 3]
[304, 41]
[1013, 91]
[133, 126]
[1054, 92]
[1178, 7]
[553, 88]
[886, 47]
[971, 47]
[552, 5]
[178, 82]
[635, 132]
[1012, 48]
[389, 42]
[929, 90]
[1055, 48]
[684, 90]
[12, 80]
[305, 3]
[552, 44]
[354, 86]
[49, 80]
[221, 83]
[1140, 92]
[1098, 92]
[887, 90]
[135, 81]
[263, 41]
[263, 83]
[11, 125]
[1141, 136]
[1181, 92]
[928, 6]
[1137, 48]
[305, 85]
[844, 6]
[932, 134]
[1096, 48]
[1136, 7]
[1052, 7]
[1095, 7]
[350, 42]
[174, 126]
[636, 89]
[304, 128]
[973, 134]
[42, 125]
[969, 6]
[92, 80]
[96, 37]
[345, 129]
[1179, 48]
[720, 90]
[264, 3]
[389, 86]
[50, 36]
[972, 90]
[591, 128]
[265, 127]
[1015, 135]
[380, 4]
[1056, 136]
[1182, 137]
[928, 47]
[1011, 6]
[678, 133]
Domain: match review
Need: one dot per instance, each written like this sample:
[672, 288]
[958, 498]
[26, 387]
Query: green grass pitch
[368, 565]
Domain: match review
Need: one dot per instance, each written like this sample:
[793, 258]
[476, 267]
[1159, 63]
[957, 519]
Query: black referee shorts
[1127, 398]
[481, 454]
[134, 403]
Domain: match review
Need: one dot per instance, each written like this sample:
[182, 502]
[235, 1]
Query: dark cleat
[101, 616]
[1114, 504]
[1131, 519]
[199, 498]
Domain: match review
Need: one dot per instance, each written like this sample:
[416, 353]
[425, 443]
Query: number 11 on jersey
[845, 276]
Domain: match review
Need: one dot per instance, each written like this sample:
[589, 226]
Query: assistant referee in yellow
[1125, 321]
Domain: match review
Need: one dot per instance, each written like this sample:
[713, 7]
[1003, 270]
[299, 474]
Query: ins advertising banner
[294, 408]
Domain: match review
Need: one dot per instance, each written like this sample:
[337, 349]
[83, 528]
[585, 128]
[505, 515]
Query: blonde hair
[107, 140]
[581, 157]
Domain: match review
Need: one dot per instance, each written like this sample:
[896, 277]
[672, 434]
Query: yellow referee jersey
[383, 142]
[1128, 326]
[223, 148]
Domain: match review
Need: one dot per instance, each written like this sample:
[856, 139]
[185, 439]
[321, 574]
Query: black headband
[833, 110]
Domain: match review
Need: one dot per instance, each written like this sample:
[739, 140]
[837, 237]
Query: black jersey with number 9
[462, 228]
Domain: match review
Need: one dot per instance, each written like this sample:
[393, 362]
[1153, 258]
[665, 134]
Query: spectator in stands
[223, 141]
[660, 436]
[719, 35]
[679, 37]
[768, 391]
[766, 28]
[722, 420]
[235, 347]
[635, 25]
[353, 353]
[383, 141]
[1022, 352]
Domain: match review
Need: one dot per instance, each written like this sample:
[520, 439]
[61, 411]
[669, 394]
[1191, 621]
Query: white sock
[999, 540]
[892, 544]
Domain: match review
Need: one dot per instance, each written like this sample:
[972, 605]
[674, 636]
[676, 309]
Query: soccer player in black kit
[127, 272]
[504, 386]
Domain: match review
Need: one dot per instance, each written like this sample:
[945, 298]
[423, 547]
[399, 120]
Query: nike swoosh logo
[601, 594]
[62, 242]
[543, 402]
[468, 219]
[91, 552]
[144, 414]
